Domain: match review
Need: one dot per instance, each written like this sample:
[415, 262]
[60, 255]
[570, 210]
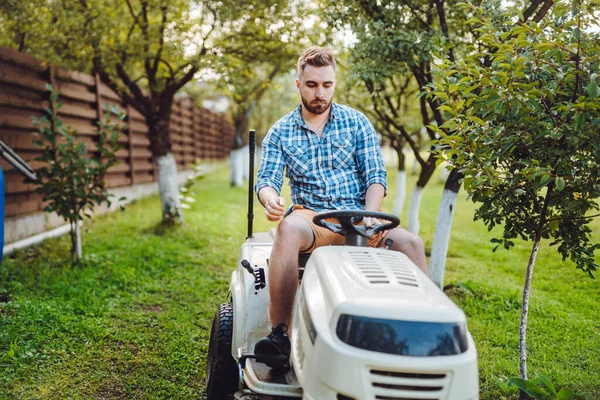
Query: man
[332, 158]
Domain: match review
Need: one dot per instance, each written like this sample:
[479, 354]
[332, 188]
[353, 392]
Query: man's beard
[316, 107]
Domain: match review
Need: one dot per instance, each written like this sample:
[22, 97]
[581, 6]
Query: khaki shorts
[324, 236]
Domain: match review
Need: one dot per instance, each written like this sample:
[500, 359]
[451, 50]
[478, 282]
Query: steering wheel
[348, 218]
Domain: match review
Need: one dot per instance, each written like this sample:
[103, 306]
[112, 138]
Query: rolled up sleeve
[270, 172]
[368, 154]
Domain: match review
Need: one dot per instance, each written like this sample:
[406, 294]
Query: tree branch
[531, 9]
[161, 40]
[439, 4]
[542, 12]
[178, 84]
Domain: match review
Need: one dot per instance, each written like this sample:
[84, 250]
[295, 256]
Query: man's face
[316, 86]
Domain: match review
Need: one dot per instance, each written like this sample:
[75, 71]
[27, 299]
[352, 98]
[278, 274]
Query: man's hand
[371, 222]
[275, 208]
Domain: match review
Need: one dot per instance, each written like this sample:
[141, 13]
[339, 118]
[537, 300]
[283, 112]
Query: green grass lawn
[134, 320]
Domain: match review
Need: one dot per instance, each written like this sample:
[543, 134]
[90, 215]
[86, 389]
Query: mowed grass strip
[134, 320]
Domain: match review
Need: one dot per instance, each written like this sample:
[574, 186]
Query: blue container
[1, 213]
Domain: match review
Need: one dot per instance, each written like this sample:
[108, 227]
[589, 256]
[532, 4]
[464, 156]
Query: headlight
[407, 338]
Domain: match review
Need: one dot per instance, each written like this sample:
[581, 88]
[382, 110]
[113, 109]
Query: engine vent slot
[387, 268]
[397, 267]
[399, 385]
[370, 269]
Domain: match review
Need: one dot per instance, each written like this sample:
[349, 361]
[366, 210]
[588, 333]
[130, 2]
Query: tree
[146, 51]
[398, 38]
[71, 182]
[523, 129]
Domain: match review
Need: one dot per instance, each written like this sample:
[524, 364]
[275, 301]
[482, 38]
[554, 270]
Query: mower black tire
[221, 369]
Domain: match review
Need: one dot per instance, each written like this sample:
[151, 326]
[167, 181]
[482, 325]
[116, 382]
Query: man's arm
[270, 177]
[374, 197]
[373, 200]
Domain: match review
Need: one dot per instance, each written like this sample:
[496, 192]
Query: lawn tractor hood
[375, 283]
[370, 325]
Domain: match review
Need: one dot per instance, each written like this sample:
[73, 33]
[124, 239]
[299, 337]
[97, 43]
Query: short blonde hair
[317, 57]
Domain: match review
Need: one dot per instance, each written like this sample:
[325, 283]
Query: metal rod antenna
[251, 145]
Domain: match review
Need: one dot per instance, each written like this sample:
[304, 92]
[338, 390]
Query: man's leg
[293, 234]
[409, 244]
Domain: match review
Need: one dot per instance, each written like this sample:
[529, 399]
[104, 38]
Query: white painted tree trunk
[168, 189]
[78, 240]
[444, 173]
[237, 173]
[525, 309]
[415, 166]
[400, 192]
[245, 163]
[413, 210]
[441, 238]
[390, 156]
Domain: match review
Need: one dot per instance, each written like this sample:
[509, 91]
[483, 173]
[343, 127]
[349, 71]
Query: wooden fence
[195, 132]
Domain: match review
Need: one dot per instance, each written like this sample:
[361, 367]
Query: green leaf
[546, 382]
[579, 120]
[560, 183]
[528, 387]
[592, 89]
[477, 120]
[565, 394]
[502, 385]
[554, 224]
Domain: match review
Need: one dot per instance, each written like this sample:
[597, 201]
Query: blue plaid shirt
[332, 172]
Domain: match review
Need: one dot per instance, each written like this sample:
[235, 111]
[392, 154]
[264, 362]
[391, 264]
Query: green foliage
[540, 388]
[70, 181]
[523, 120]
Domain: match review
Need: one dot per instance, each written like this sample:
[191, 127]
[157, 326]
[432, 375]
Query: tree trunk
[168, 188]
[237, 160]
[78, 240]
[246, 162]
[443, 227]
[159, 122]
[400, 183]
[239, 169]
[525, 308]
[413, 210]
[75, 242]
[427, 170]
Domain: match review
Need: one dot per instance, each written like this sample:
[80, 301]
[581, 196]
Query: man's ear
[297, 83]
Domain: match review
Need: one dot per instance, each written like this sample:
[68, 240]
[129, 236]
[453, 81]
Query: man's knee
[293, 232]
[406, 241]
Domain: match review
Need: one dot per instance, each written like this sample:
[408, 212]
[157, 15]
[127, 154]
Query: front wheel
[221, 370]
